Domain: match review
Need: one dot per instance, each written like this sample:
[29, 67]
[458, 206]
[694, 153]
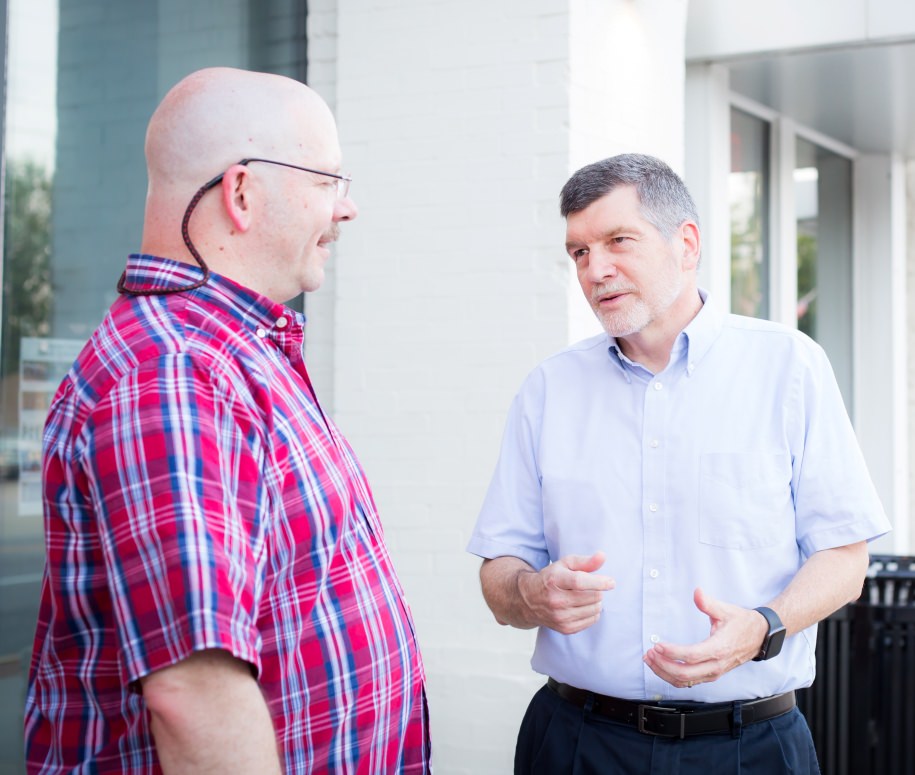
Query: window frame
[782, 225]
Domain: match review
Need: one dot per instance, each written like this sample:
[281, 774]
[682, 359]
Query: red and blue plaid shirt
[196, 497]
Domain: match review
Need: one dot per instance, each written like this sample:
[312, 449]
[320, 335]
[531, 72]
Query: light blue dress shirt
[724, 471]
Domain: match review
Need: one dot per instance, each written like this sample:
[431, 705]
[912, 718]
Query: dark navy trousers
[559, 738]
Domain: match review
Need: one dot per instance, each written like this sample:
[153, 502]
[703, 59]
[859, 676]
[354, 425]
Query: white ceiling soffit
[863, 96]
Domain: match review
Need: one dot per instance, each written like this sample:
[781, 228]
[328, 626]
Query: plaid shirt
[197, 497]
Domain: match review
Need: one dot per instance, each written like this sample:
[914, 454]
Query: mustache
[600, 291]
[331, 235]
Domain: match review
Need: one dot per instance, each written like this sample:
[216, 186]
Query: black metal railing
[861, 707]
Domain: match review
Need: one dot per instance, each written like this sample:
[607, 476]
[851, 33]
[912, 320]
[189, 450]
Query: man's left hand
[736, 636]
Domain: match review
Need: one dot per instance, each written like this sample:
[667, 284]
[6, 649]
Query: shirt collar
[701, 332]
[696, 338]
[148, 272]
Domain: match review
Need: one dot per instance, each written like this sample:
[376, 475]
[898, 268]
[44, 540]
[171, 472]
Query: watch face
[774, 639]
[773, 643]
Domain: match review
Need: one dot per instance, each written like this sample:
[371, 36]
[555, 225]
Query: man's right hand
[565, 596]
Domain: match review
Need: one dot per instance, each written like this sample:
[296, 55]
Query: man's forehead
[606, 215]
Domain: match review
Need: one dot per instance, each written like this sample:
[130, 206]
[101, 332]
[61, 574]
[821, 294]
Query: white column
[910, 342]
[783, 236]
[881, 410]
[708, 164]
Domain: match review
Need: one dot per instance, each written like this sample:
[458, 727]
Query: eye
[618, 240]
[578, 253]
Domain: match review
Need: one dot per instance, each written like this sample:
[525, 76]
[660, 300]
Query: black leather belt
[676, 720]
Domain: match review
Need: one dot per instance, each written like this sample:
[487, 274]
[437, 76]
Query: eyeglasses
[343, 182]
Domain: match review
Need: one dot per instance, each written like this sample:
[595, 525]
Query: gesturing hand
[735, 637]
[566, 595]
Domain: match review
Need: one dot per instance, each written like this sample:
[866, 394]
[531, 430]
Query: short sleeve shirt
[724, 471]
[197, 497]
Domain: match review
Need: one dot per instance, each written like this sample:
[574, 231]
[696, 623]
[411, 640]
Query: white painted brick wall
[460, 122]
[910, 329]
[320, 307]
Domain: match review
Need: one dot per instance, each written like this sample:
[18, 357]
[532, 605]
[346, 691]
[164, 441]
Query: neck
[651, 346]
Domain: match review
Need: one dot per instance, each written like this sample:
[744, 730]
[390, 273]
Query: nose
[601, 265]
[345, 209]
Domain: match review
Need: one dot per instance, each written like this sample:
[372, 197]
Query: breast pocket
[745, 500]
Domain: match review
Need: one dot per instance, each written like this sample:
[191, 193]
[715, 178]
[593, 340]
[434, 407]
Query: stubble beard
[638, 312]
[626, 321]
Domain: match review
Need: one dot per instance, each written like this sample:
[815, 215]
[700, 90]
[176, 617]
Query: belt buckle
[644, 709]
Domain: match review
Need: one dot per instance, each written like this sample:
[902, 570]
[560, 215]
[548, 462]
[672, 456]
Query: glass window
[83, 79]
[748, 194]
[823, 201]
[29, 147]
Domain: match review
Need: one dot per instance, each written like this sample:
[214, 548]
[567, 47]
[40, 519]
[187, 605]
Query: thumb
[583, 562]
[708, 605]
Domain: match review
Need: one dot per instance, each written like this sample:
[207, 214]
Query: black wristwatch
[772, 643]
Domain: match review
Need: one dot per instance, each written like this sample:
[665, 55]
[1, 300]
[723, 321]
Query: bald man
[218, 596]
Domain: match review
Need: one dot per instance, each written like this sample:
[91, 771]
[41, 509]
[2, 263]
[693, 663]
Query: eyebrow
[609, 234]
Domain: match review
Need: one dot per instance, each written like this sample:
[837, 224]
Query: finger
[679, 664]
[685, 654]
[577, 620]
[661, 671]
[582, 574]
[677, 674]
[675, 653]
[560, 595]
[583, 562]
[583, 582]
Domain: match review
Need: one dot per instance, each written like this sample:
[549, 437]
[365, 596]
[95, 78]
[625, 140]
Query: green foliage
[26, 260]
[807, 283]
[748, 245]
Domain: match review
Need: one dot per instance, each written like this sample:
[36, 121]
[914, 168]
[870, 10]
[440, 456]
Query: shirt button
[655, 639]
[691, 368]
[654, 573]
[653, 507]
[657, 385]
[260, 333]
[281, 322]
[657, 697]
[655, 443]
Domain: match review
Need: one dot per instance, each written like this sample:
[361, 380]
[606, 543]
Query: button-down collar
[696, 339]
[263, 317]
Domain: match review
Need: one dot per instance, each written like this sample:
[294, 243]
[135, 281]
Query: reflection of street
[21, 564]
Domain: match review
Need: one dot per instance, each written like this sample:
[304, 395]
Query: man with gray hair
[678, 501]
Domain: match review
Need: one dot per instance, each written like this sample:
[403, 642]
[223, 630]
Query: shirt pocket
[745, 500]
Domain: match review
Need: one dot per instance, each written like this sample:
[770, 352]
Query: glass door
[26, 366]
[823, 207]
[748, 190]
[82, 81]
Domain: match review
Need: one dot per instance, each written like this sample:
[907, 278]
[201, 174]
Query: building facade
[794, 128]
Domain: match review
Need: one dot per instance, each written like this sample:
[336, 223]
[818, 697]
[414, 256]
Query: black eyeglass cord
[122, 284]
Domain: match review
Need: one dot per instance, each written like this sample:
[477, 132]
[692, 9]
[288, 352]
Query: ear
[692, 244]
[236, 196]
